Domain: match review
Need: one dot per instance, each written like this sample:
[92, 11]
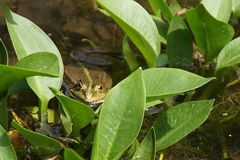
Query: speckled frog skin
[87, 83]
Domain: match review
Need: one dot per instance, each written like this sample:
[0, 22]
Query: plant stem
[43, 111]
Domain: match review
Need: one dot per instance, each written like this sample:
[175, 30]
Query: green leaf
[236, 7]
[81, 114]
[137, 24]
[170, 81]
[179, 46]
[70, 154]
[44, 145]
[219, 9]
[6, 148]
[3, 53]
[210, 34]
[174, 6]
[161, 5]
[155, 7]
[162, 27]
[131, 150]
[120, 118]
[179, 121]
[129, 56]
[147, 149]
[229, 55]
[28, 38]
[11, 74]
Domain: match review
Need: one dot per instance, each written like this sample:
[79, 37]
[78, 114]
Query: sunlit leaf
[28, 38]
[236, 7]
[229, 55]
[210, 34]
[81, 114]
[170, 81]
[36, 64]
[44, 145]
[70, 154]
[137, 24]
[147, 148]
[120, 118]
[179, 121]
[219, 9]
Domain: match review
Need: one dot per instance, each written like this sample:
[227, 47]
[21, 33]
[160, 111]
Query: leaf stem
[43, 111]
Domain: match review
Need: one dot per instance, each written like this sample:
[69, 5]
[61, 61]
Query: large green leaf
[81, 114]
[70, 154]
[6, 149]
[179, 43]
[210, 34]
[28, 38]
[147, 149]
[180, 120]
[137, 24]
[170, 81]
[229, 55]
[44, 145]
[120, 118]
[3, 53]
[38, 64]
[219, 9]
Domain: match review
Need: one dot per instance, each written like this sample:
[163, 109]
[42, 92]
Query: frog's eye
[99, 87]
[78, 86]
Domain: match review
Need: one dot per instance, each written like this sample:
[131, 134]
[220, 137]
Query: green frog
[86, 82]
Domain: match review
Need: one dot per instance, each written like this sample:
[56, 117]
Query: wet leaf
[170, 81]
[6, 148]
[137, 24]
[229, 55]
[219, 9]
[81, 114]
[70, 154]
[44, 145]
[179, 121]
[3, 53]
[147, 148]
[179, 46]
[120, 118]
[210, 34]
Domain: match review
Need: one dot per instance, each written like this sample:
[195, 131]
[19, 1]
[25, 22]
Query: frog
[86, 82]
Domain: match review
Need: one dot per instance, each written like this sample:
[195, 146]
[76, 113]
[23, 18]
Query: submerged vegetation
[188, 77]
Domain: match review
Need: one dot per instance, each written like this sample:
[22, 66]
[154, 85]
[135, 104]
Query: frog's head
[92, 94]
